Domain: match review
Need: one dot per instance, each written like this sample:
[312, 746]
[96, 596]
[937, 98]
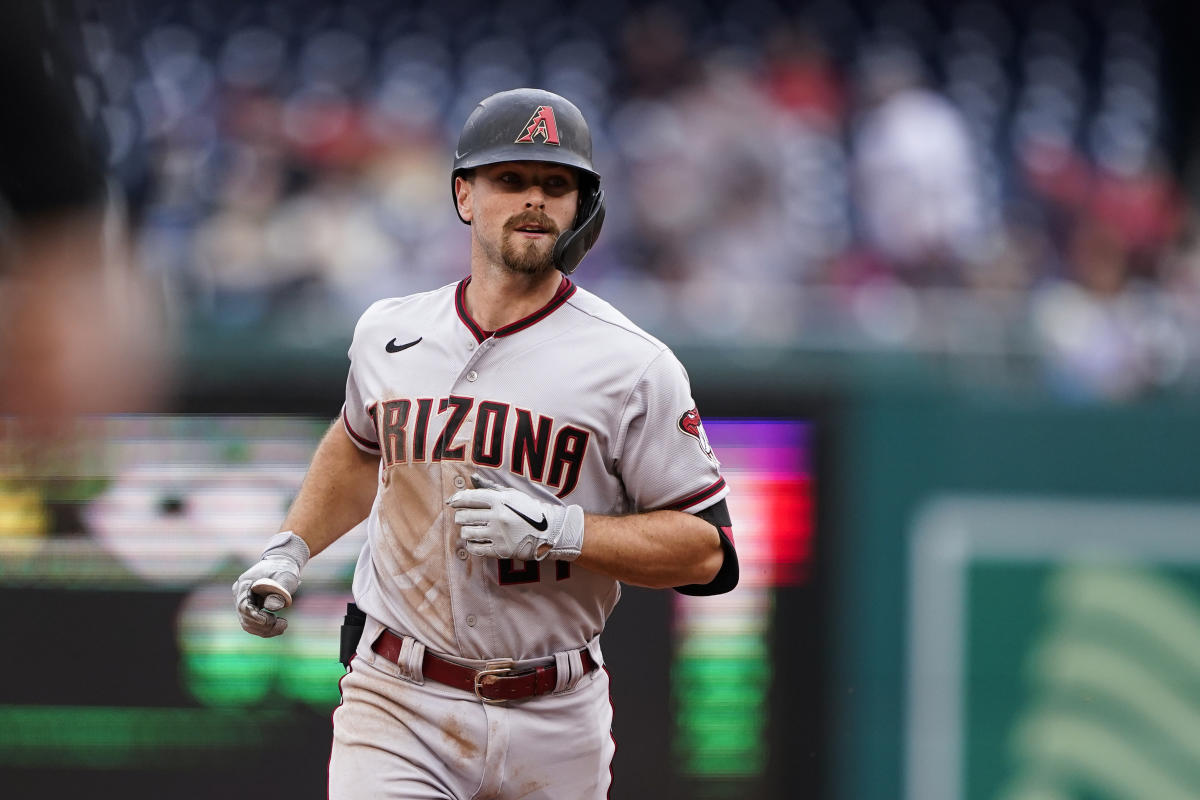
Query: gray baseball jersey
[573, 404]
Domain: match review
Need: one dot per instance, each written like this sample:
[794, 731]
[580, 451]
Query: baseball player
[518, 449]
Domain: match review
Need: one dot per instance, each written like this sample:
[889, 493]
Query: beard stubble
[528, 257]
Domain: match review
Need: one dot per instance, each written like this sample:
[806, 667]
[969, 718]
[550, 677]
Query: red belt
[497, 682]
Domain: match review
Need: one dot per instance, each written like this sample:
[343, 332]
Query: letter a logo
[540, 124]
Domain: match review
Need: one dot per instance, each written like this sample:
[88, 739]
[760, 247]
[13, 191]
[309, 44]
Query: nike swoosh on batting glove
[269, 585]
[500, 522]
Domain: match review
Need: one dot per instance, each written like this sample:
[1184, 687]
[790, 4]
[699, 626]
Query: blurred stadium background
[933, 267]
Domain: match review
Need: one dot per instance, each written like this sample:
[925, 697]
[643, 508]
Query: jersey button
[472, 375]
[462, 554]
[459, 481]
[470, 620]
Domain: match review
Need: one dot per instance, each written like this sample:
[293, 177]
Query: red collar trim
[564, 292]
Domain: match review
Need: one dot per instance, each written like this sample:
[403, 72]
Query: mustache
[531, 217]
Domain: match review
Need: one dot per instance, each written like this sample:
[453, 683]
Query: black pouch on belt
[352, 628]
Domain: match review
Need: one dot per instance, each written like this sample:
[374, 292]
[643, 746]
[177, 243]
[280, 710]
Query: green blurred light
[721, 753]
[312, 677]
[742, 764]
[710, 645]
[228, 679]
[729, 718]
[721, 670]
[231, 669]
[731, 704]
[720, 684]
[737, 724]
[224, 666]
[111, 737]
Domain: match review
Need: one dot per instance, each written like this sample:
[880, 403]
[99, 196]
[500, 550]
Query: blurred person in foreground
[76, 332]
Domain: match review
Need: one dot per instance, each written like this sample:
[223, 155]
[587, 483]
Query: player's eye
[558, 184]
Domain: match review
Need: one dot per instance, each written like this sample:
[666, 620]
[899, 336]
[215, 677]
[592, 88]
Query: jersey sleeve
[663, 454]
[356, 412]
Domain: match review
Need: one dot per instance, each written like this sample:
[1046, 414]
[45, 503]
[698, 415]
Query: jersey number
[529, 571]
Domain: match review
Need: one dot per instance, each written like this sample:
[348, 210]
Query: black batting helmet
[536, 125]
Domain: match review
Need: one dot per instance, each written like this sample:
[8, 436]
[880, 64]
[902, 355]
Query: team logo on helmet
[690, 424]
[540, 124]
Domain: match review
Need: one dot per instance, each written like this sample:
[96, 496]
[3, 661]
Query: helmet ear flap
[573, 244]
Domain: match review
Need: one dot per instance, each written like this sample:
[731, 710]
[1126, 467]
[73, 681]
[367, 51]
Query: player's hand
[507, 523]
[269, 585]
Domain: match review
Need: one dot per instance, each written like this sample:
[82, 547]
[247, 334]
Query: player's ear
[463, 195]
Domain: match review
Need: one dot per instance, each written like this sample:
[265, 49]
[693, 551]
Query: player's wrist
[570, 540]
[286, 544]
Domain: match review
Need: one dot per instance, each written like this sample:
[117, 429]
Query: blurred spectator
[1106, 334]
[800, 76]
[231, 257]
[802, 82]
[656, 47]
[1140, 201]
[917, 178]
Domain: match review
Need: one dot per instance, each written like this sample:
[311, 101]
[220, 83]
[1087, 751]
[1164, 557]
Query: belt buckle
[499, 667]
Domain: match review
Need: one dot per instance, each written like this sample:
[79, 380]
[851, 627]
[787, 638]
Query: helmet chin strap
[573, 244]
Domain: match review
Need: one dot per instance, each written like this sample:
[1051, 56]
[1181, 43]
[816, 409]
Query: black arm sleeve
[727, 578]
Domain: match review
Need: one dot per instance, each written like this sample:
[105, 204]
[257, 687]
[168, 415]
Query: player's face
[518, 209]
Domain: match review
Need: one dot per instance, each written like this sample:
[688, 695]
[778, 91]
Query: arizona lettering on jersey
[502, 436]
[573, 404]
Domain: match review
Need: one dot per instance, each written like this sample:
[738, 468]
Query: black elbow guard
[727, 577]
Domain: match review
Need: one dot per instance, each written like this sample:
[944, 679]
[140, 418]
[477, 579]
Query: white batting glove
[507, 523]
[269, 585]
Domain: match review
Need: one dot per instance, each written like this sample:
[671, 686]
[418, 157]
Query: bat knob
[274, 595]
